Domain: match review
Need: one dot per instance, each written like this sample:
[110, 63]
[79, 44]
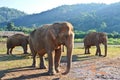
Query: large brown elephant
[95, 39]
[17, 40]
[48, 39]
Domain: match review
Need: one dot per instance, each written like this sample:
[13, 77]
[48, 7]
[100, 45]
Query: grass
[3, 39]
[21, 60]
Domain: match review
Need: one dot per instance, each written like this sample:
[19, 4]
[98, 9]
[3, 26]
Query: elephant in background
[95, 39]
[48, 39]
[17, 40]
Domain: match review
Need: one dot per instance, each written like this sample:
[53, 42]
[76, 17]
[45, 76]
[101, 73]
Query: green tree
[91, 30]
[10, 26]
[103, 26]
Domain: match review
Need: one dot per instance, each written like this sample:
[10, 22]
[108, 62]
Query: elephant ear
[52, 34]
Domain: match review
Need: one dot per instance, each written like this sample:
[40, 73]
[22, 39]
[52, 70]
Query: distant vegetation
[7, 14]
[113, 38]
[84, 17]
[11, 27]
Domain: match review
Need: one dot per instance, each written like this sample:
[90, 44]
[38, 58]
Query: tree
[10, 26]
[103, 26]
[91, 30]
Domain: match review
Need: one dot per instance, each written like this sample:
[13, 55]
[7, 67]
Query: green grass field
[18, 59]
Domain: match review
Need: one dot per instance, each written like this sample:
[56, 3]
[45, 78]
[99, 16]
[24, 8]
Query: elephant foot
[42, 67]
[51, 73]
[104, 55]
[7, 53]
[100, 55]
[57, 70]
[33, 65]
[26, 53]
[65, 73]
[96, 54]
[86, 53]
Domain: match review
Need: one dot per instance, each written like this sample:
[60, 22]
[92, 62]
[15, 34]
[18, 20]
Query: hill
[84, 17]
[70, 13]
[7, 14]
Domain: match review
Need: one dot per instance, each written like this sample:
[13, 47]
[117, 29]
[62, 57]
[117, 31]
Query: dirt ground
[93, 68]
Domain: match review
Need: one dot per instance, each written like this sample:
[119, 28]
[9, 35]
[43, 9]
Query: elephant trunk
[105, 50]
[69, 44]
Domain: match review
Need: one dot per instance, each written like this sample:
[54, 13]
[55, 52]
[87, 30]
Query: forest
[113, 38]
[84, 17]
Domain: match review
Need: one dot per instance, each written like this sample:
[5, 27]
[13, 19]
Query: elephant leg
[98, 51]
[42, 64]
[24, 48]
[50, 62]
[88, 50]
[34, 53]
[85, 50]
[105, 50]
[57, 59]
[34, 59]
[8, 51]
[11, 50]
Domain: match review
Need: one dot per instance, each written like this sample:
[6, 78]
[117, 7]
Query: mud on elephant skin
[17, 40]
[48, 39]
[95, 39]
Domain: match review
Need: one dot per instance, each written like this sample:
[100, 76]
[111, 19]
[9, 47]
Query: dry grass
[16, 66]
[20, 60]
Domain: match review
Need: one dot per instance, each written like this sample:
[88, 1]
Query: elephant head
[102, 38]
[63, 34]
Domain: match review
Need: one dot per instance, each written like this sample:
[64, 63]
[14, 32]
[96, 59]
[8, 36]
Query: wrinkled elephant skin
[48, 39]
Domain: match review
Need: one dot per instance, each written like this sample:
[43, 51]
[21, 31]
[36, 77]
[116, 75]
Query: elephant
[17, 40]
[95, 39]
[48, 39]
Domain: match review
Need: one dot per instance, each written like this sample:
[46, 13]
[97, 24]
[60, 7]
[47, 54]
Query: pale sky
[37, 6]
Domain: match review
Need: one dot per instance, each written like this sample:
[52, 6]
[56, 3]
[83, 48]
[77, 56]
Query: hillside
[62, 13]
[84, 17]
[7, 14]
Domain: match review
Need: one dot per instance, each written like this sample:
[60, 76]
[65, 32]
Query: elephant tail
[31, 46]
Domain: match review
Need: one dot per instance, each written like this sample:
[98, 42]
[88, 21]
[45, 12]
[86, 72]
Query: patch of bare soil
[93, 69]
[97, 69]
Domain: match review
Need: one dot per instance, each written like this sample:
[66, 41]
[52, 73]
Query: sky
[37, 6]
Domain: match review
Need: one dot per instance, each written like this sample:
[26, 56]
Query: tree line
[11, 27]
[78, 34]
